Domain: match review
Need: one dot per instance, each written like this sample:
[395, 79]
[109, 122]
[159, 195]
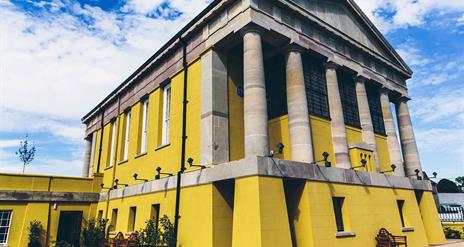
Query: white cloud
[442, 106]
[393, 14]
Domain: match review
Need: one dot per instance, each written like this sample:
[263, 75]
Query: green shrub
[94, 235]
[152, 236]
[35, 234]
[452, 234]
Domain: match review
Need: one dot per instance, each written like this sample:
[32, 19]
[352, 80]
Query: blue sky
[61, 57]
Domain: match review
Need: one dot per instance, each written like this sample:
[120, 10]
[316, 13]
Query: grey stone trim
[345, 234]
[263, 166]
[215, 113]
[46, 196]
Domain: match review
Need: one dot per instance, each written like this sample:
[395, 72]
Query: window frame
[400, 205]
[375, 109]
[113, 143]
[348, 98]
[338, 204]
[166, 124]
[127, 116]
[132, 219]
[8, 227]
[144, 129]
[316, 87]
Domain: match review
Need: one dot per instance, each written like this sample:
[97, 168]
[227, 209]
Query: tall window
[348, 97]
[166, 114]
[373, 97]
[5, 224]
[338, 206]
[113, 142]
[114, 218]
[132, 216]
[276, 92]
[400, 204]
[126, 136]
[316, 87]
[143, 137]
[155, 212]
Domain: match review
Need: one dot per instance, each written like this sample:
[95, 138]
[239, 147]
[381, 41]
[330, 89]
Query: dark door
[69, 227]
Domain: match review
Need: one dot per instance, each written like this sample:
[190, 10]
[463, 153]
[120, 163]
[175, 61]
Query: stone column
[365, 118]
[392, 139]
[87, 152]
[255, 105]
[298, 117]
[214, 147]
[340, 144]
[407, 139]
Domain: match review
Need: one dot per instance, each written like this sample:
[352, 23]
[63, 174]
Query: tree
[460, 181]
[25, 153]
[447, 186]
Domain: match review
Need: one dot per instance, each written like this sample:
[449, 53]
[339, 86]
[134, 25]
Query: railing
[451, 214]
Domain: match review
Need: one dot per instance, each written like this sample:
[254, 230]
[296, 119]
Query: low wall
[456, 226]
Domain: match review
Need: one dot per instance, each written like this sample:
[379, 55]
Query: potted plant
[94, 235]
[35, 234]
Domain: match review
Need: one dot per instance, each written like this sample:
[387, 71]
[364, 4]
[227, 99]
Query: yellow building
[280, 112]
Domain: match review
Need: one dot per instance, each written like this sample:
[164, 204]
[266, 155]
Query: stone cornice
[269, 167]
[46, 196]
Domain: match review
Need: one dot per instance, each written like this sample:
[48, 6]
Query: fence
[451, 214]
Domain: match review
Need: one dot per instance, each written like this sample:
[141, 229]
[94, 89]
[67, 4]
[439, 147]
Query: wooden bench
[386, 239]
[120, 241]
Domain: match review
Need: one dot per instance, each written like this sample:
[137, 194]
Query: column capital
[251, 29]
[294, 48]
[384, 90]
[329, 64]
[403, 99]
[360, 78]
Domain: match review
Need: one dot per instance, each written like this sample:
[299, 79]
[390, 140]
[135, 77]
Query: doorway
[69, 227]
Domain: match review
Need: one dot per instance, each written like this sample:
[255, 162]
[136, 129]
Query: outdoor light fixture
[190, 162]
[280, 147]
[434, 175]
[363, 164]
[103, 187]
[141, 179]
[417, 171]
[327, 163]
[325, 156]
[159, 173]
[393, 166]
[116, 184]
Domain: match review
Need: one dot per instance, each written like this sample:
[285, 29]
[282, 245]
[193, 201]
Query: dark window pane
[338, 204]
[373, 97]
[347, 89]
[316, 87]
[400, 209]
[276, 91]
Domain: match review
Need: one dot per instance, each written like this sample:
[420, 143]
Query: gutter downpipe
[115, 158]
[101, 140]
[184, 138]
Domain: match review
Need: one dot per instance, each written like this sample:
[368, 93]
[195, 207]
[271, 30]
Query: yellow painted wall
[236, 128]
[383, 152]
[457, 226]
[25, 212]
[431, 219]
[321, 133]
[167, 157]
[367, 209]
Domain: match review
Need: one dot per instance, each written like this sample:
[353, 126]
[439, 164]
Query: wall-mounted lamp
[159, 173]
[417, 171]
[363, 164]
[280, 149]
[393, 167]
[117, 183]
[141, 179]
[190, 162]
[103, 187]
[325, 156]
